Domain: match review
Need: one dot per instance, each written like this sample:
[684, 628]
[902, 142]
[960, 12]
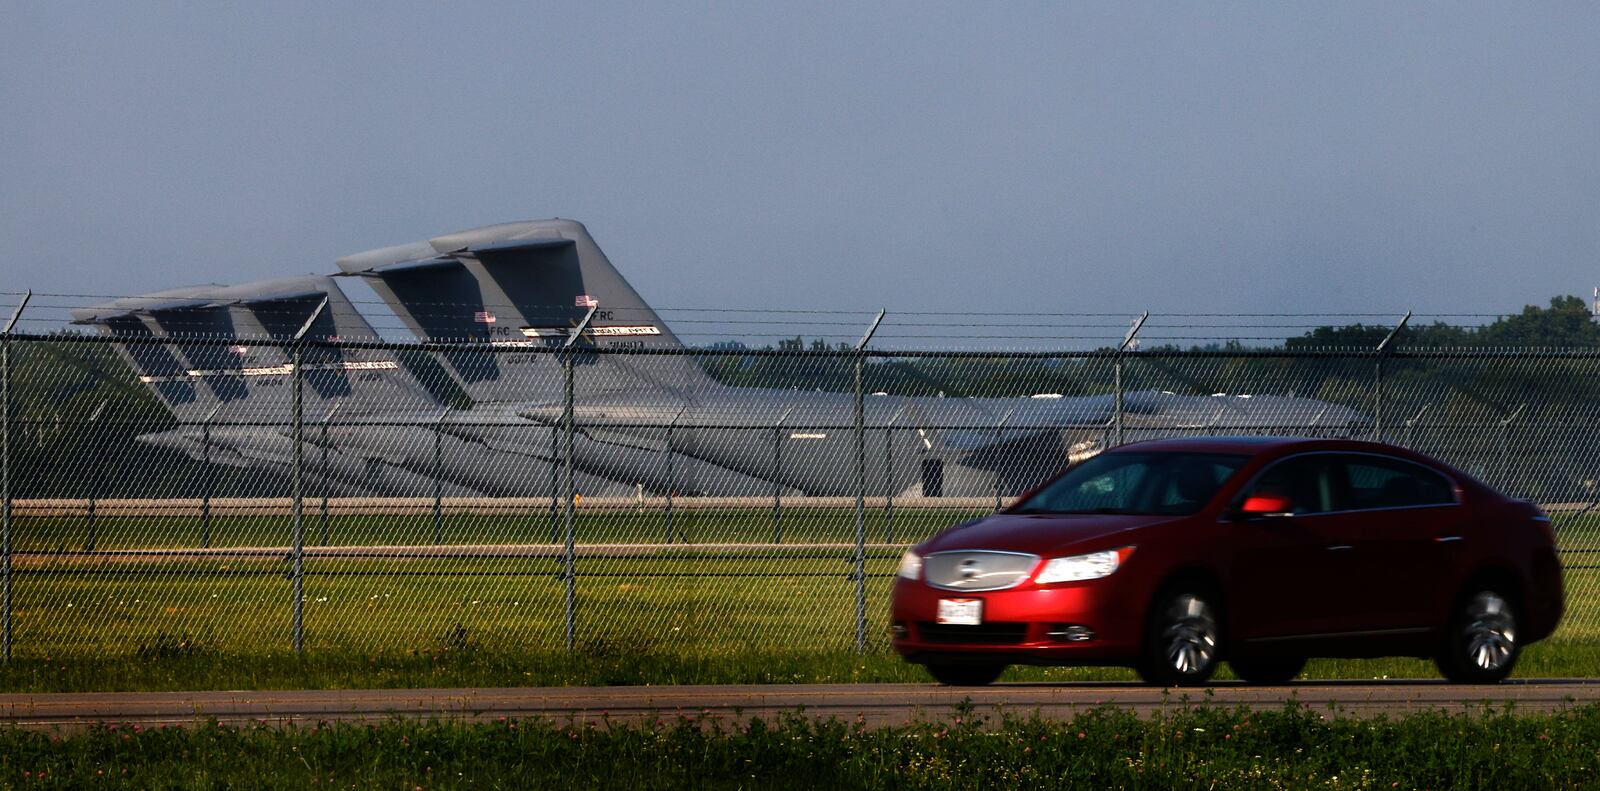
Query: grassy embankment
[220, 622]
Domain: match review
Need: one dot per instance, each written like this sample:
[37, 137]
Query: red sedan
[1174, 555]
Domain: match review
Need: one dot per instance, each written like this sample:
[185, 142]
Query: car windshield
[1172, 484]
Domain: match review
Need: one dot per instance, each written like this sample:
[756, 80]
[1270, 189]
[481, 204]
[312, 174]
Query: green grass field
[161, 622]
[536, 526]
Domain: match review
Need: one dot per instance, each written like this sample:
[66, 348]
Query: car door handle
[1447, 539]
[1339, 547]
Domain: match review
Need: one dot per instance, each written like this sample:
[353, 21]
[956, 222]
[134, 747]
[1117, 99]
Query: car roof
[1254, 445]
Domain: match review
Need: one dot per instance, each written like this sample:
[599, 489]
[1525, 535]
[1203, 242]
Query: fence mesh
[252, 494]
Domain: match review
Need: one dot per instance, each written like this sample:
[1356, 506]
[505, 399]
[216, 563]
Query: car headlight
[1077, 568]
[910, 566]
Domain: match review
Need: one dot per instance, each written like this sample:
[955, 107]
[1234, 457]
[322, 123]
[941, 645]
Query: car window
[1383, 482]
[1309, 481]
[1135, 483]
[1188, 483]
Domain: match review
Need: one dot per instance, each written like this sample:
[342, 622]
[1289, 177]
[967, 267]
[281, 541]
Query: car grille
[997, 633]
[977, 569]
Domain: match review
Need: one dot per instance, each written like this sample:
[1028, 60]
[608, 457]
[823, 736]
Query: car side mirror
[1266, 504]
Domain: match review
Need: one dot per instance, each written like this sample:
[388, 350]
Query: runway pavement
[876, 704]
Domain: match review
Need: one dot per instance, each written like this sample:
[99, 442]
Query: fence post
[94, 480]
[860, 572]
[209, 479]
[1505, 448]
[555, 484]
[322, 474]
[777, 477]
[999, 436]
[1377, 376]
[1377, 398]
[299, 549]
[672, 476]
[568, 548]
[5, 479]
[438, 484]
[888, 473]
[299, 552]
[1411, 423]
[5, 482]
[569, 566]
[1116, 405]
[1116, 368]
[205, 486]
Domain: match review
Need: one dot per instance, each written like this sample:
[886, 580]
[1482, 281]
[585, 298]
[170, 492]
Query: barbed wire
[181, 318]
[38, 295]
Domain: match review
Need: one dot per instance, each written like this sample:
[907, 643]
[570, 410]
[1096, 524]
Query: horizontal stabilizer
[441, 262]
[126, 307]
[517, 245]
[266, 299]
[372, 259]
[101, 315]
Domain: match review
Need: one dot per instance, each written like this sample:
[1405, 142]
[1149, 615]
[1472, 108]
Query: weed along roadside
[1290, 746]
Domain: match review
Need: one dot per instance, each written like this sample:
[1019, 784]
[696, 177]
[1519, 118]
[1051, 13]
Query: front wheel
[966, 675]
[1480, 641]
[1183, 639]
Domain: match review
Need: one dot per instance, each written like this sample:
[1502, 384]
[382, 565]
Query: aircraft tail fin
[525, 285]
[199, 377]
[159, 366]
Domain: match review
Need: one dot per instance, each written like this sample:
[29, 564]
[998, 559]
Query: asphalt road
[876, 704]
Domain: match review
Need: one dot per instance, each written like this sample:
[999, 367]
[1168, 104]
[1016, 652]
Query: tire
[1274, 670]
[966, 675]
[1183, 638]
[1480, 641]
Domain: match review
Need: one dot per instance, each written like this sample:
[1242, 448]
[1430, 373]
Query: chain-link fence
[281, 493]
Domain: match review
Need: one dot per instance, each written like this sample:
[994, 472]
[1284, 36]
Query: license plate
[961, 612]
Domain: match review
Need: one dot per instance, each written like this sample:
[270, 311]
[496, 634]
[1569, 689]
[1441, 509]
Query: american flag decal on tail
[484, 317]
[586, 301]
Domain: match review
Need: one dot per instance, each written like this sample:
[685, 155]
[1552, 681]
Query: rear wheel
[965, 675]
[1183, 639]
[1480, 641]
[1273, 670]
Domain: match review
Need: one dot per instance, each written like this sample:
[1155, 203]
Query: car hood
[1040, 534]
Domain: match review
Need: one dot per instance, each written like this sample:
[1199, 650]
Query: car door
[1291, 574]
[1410, 530]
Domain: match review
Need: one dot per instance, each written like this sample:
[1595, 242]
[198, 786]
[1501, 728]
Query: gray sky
[946, 157]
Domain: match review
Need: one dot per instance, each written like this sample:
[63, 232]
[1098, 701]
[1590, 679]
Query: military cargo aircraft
[518, 290]
[528, 301]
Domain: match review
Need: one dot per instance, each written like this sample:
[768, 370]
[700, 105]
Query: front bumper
[1026, 625]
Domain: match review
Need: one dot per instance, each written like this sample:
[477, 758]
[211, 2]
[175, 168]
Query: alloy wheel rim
[1191, 634]
[1490, 631]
